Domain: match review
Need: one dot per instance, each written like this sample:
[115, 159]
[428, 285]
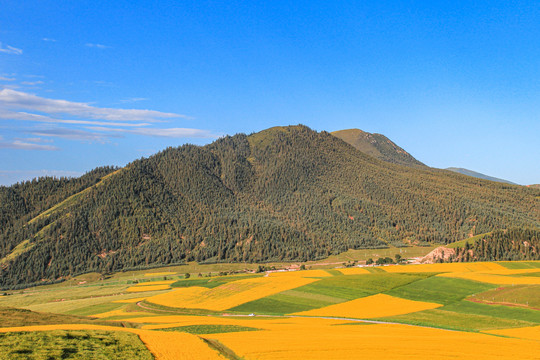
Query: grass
[520, 264]
[530, 274]
[497, 311]
[210, 329]
[470, 240]
[22, 247]
[72, 344]
[525, 295]
[211, 282]
[364, 254]
[76, 300]
[72, 199]
[451, 320]
[10, 317]
[285, 303]
[95, 309]
[439, 290]
[327, 291]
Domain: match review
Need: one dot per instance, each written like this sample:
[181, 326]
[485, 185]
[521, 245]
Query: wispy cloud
[49, 39]
[35, 140]
[23, 101]
[157, 132]
[87, 123]
[23, 145]
[2, 78]
[32, 83]
[133, 100]
[98, 46]
[72, 134]
[10, 50]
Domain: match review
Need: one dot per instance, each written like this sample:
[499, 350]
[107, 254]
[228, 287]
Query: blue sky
[91, 83]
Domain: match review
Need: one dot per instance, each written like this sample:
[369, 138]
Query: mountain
[286, 193]
[502, 245]
[378, 146]
[478, 175]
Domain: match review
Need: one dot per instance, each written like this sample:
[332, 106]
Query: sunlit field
[440, 311]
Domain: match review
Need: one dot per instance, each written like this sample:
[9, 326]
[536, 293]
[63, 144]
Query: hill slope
[286, 193]
[378, 146]
[478, 175]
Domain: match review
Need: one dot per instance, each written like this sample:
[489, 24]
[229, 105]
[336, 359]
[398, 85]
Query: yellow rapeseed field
[378, 341]
[130, 301]
[147, 288]
[379, 305]
[230, 294]
[119, 312]
[151, 286]
[353, 271]
[163, 345]
[493, 278]
[152, 283]
[177, 346]
[531, 333]
[444, 267]
[300, 273]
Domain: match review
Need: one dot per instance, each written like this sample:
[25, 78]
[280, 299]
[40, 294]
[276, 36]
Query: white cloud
[133, 100]
[21, 100]
[32, 83]
[98, 124]
[23, 145]
[24, 116]
[35, 140]
[156, 132]
[98, 46]
[10, 50]
[2, 78]
[71, 134]
[49, 39]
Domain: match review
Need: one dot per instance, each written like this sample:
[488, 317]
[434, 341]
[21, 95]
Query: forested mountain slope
[378, 146]
[511, 244]
[286, 193]
[478, 175]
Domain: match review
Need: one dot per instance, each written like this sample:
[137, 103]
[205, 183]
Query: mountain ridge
[378, 146]
[285, 193]
[478, 175]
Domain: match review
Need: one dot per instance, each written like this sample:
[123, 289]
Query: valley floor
[438, 311]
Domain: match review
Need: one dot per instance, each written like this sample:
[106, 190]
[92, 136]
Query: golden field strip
[375, 306]
[399, 312]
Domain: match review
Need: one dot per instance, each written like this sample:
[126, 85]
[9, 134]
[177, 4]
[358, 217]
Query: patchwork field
[440, 311]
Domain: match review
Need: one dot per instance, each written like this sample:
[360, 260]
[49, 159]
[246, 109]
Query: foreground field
[440, 311]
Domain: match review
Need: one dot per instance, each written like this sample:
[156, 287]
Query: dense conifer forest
[286, 193]
[511, 244]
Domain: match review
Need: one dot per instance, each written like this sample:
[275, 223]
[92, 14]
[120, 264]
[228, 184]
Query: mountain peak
[378, 146]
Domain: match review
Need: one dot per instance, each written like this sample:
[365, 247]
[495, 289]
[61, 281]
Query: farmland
[462, 310]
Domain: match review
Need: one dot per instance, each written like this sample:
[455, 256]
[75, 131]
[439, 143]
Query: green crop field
[70, 344]
[210, 329]
[525, 295]
[464, 306]
[439, 290]
[328, 291]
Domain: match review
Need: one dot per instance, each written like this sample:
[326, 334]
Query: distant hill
[535, 186]
[283, 194]
[478, 175]
[378, 146]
